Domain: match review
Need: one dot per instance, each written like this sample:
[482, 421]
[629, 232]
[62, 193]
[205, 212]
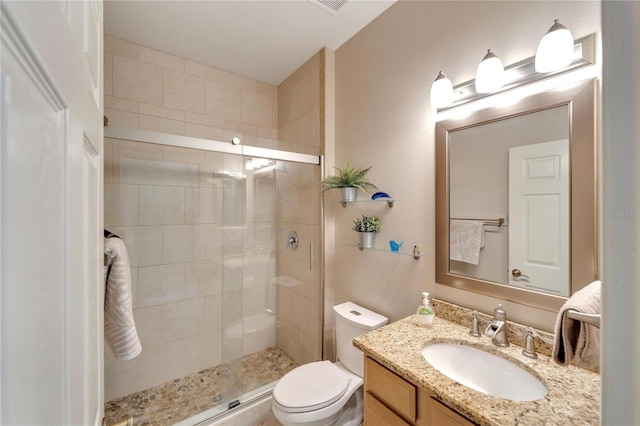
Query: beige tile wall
[300, 300]
[151, 90]
[299, 106]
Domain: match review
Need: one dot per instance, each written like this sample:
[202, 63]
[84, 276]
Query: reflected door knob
[517, 274]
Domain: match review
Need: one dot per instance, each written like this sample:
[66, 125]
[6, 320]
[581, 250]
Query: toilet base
[353, 411]
[350, 415]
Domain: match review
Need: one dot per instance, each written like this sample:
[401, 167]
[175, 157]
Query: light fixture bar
[524, 72]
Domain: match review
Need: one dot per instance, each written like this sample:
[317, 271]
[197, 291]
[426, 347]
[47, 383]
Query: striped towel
[119, 325]
[466, 238]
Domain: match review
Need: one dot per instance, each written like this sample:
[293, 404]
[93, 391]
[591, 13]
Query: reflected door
[539, 217]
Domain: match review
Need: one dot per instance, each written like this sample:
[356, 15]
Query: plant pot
[348, 194]
[366, 239]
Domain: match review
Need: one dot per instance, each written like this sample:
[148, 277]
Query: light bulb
[441, 91]
[555, 50]
[489, 74]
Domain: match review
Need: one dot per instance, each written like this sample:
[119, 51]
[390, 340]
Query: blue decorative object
[395, 247]
[380, 195]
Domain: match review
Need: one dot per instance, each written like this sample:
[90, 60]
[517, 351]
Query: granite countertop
[573, 393]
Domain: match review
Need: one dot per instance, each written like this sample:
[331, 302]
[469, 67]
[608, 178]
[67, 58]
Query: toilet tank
[352, 321]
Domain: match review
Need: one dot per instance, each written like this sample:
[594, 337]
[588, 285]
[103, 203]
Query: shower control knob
[292, 242]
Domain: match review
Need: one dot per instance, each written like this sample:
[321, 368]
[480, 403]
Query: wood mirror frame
[581, 102]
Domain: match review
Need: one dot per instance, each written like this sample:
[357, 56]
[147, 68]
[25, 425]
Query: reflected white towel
[576, 340]
[119, 325]
[466, 238]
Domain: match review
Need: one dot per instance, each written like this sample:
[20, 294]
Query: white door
[539, 217]
[51, 291]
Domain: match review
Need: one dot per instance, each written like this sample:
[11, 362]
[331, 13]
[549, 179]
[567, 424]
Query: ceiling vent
[331, 6]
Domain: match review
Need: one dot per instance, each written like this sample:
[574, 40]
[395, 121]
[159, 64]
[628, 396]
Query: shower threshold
[192, 395]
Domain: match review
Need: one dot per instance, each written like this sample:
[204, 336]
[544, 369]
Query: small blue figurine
[395, 247]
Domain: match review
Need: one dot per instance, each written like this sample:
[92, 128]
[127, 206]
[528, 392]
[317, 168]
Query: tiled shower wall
[300, 301]
[151, 90]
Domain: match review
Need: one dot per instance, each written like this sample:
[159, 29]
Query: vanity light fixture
[555, 50]
[489, 74]
[441, 91]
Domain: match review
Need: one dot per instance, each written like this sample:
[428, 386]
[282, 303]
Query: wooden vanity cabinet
[390, 400]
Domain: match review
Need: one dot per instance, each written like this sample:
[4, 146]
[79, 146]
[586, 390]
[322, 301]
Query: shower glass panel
[222, 306]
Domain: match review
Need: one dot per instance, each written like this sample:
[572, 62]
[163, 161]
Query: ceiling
[265, 40]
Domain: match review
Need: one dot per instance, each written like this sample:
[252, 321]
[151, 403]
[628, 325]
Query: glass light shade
[489, 74]
[555, 50]
[441, 91]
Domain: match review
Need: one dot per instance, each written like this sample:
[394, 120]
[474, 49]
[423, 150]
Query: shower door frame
[181, 141]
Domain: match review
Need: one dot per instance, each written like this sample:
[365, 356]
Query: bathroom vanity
[391, 400]
[402, 388]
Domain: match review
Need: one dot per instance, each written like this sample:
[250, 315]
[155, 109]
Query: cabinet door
[377, 414]
[391, 389]
[441, 415]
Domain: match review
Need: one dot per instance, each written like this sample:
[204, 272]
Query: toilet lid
[311, 387]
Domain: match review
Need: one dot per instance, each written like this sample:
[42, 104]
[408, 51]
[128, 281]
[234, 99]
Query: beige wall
[384, 119]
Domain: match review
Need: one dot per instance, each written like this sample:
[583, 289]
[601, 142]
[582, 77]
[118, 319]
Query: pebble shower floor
[180, 399]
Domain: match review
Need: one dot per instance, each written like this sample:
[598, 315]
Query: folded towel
[576, 340]
[466, 238]
[119, 325]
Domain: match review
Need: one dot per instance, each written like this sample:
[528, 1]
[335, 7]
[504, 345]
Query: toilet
[323, 393]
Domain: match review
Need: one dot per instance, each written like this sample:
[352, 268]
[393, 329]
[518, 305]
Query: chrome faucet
[497, 328]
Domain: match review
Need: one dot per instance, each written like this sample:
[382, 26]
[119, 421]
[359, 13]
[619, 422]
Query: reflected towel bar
[491, 222]
[593, 319]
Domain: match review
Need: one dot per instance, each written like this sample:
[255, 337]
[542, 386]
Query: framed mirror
[516, 198]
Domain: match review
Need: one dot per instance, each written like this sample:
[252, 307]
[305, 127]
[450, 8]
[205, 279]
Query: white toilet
[321, 393]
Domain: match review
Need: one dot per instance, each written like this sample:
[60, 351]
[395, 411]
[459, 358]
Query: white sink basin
[484, 372]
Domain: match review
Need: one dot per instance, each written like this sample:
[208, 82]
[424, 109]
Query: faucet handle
[475, 331]
[535, 333]
[529, 348]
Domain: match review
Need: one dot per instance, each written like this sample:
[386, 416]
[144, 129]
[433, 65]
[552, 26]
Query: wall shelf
[389, 202]
[386, 250]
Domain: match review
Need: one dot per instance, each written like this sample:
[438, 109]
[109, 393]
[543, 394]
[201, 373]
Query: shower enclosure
[224, 246]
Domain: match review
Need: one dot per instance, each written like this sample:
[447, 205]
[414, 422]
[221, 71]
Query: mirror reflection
[516, 198]
[509, 201]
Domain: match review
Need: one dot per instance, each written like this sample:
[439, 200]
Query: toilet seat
[310, 387]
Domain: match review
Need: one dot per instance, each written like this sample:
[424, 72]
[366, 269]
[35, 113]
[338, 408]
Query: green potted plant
[348, 179]
[366, 227]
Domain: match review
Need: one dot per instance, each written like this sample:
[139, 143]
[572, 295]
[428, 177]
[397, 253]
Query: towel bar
[593, 319]
[490, 222]
[109, 256]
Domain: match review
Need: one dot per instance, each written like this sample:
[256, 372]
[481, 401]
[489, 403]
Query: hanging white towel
[119, 325]
[466, 238]
[576, 340]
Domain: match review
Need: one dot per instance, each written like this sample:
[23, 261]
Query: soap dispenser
[425, 311]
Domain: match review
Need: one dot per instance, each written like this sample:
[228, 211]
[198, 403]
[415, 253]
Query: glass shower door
[223, 305]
